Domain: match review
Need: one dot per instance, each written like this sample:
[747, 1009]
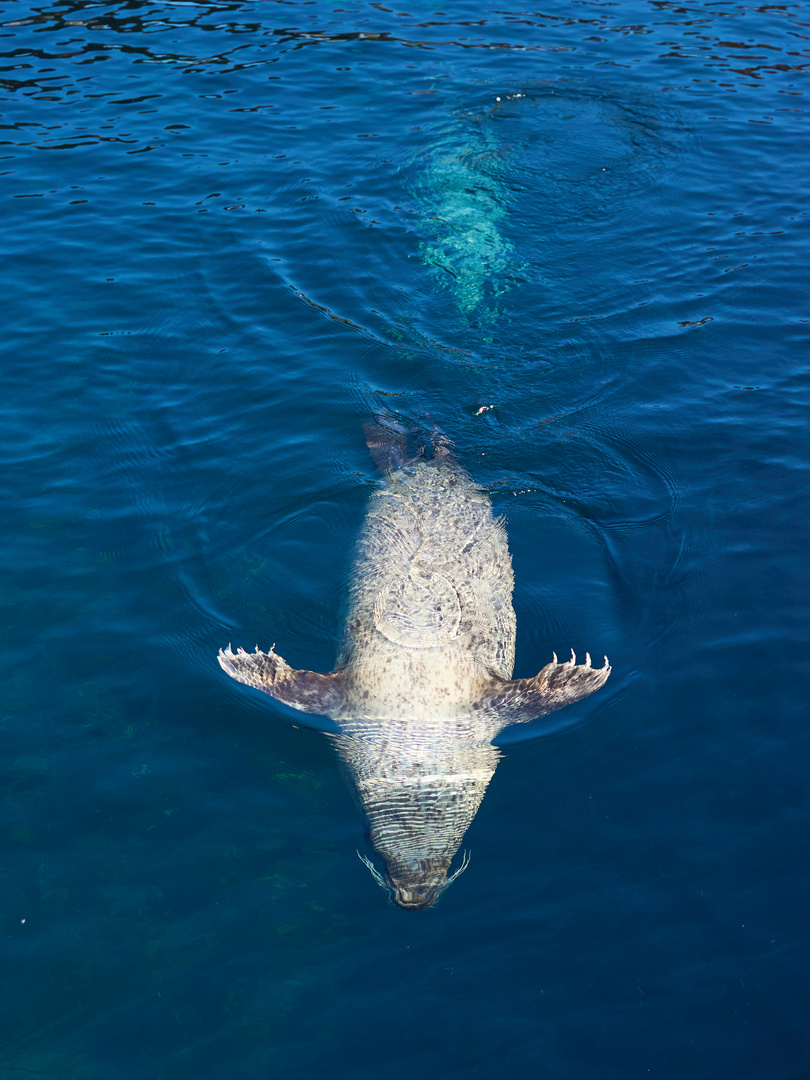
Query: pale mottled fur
[424, 676]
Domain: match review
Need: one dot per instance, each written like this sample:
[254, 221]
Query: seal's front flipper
[556, 686]
[307, 691]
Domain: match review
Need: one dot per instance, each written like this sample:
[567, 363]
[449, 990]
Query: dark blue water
[578, 240]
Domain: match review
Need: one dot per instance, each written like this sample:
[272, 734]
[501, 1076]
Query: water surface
[577, 239]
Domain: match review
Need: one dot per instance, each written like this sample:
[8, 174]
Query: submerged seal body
[423, 681]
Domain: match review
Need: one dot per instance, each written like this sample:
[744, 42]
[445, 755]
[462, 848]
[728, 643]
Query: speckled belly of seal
[423, 682]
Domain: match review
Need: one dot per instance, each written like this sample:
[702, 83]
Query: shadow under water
[462, 195]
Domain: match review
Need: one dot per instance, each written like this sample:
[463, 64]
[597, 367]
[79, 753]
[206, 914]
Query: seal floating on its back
[423, 681]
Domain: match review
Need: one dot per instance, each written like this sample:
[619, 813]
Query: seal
[423, 681]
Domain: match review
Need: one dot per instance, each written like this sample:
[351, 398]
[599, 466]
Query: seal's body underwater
[423, 681]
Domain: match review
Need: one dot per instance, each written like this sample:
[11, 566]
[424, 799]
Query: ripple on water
[591, 148]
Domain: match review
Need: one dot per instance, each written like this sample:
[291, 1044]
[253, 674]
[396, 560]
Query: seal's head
[418, 885]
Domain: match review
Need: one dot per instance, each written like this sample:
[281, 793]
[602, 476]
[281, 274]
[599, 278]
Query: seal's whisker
[465, 862]
[375, 873]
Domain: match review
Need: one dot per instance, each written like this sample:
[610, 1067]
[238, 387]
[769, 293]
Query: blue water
[578, 240]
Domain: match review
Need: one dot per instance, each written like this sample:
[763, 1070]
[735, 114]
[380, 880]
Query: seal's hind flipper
[556, 686]
[307, 691]
[393, 444]
[387, 440]
[442, 445]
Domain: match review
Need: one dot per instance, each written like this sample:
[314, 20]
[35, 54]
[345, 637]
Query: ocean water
[577, 240]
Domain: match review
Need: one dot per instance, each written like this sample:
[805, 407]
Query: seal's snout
[416, 899]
